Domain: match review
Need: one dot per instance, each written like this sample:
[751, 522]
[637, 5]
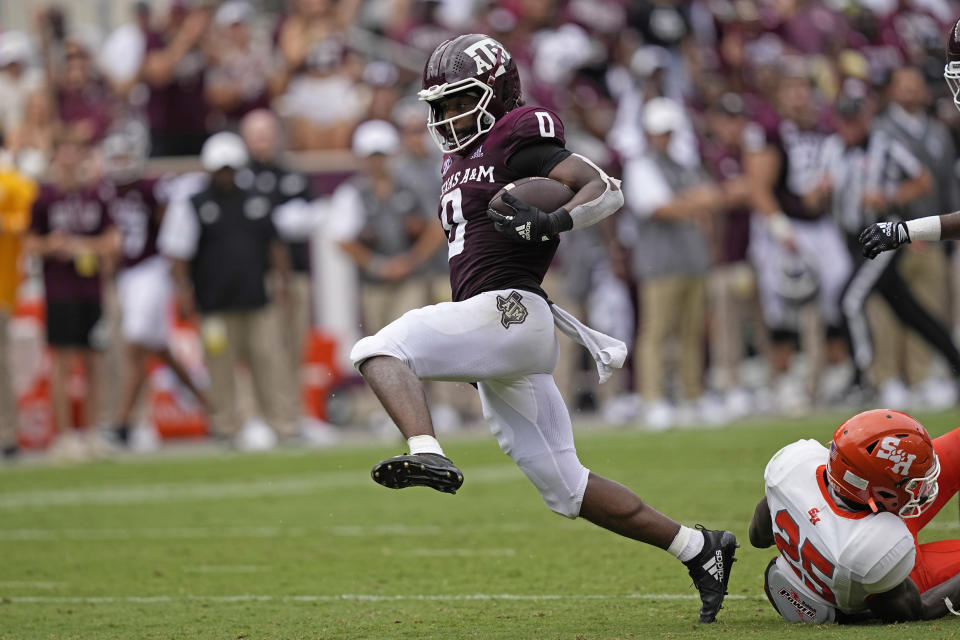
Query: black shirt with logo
[280, 186]
[233, 249]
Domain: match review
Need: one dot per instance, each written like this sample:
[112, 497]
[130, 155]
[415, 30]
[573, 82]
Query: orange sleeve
[947, 448]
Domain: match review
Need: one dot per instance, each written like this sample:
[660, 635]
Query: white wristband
[924, 229]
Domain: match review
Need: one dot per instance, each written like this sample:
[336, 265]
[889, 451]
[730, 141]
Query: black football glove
[529, 224]
[883, 236]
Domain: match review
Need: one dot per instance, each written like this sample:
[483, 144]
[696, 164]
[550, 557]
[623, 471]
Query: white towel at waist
[608, 352]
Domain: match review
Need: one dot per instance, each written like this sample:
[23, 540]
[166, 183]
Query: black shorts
[70, 323]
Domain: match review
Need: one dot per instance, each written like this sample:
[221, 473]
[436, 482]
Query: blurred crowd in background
[755, 139]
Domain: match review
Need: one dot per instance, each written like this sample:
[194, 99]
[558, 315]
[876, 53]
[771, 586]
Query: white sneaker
[98, 446]
[659, 416]
[144, 438]
[936, 394]
[622, 409]
[790, 397]
[711, 411]
[834, 381]
[764, 400]
[68, 447]
[894, 394]
[738, 403]
[256, 435]
[317, 433]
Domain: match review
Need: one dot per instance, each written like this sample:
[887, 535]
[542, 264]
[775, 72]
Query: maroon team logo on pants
[512, 309]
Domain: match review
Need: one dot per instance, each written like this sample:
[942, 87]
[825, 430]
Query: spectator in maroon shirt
[236, 82]
[70, 232]
[79, 94]
[174, 70]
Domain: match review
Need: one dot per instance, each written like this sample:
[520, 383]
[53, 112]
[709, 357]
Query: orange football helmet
[884, 459]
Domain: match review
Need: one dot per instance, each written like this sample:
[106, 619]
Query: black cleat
[710, 570]
[418, 470]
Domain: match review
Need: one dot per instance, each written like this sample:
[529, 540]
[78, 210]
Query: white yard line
[451, 553]
[223, 568]
[163, 533]
[357, 597]
[346, 530]
[211, 490]
[30, 584]
[157, 533]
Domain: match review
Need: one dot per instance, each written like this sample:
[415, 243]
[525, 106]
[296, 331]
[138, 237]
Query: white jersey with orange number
[833, 559]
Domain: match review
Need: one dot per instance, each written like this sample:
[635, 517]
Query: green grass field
[302, 544]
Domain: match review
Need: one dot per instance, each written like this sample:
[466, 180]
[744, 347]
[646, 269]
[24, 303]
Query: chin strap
[950, 608]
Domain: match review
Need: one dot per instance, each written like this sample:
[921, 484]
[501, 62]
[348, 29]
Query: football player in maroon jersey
[886, 236]
[144, 283]
[498, 332]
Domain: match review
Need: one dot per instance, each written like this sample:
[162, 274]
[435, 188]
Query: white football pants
[145, 291]
[825, 250]
[512, 361]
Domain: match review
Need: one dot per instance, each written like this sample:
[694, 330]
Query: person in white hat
[18, 79]
[223, 243]
[382, 228]
[668, 202]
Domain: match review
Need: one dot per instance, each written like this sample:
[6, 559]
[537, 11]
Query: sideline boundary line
[356, 597]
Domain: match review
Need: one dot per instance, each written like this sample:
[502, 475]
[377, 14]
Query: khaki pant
[8, 414]
[733, 304]
[293, 319]
[673, 306]
[248, 337]
[924, 268]
[384, 303]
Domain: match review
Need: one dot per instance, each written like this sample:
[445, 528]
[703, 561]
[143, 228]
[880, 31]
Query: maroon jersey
[133, 209]
[78, 213]
[481, 259]
[799, 151]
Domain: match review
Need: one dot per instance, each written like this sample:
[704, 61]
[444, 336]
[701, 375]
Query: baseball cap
[221, 150]
[648, 59]
[14, 47]
[375, 136]
[662, 115]
[233, 12]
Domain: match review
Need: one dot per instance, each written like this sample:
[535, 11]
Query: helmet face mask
[460, 130]
[923, 492]
[884, 459]
[476, 65]
[951, 71]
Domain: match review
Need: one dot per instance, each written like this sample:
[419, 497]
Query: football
[543, 193]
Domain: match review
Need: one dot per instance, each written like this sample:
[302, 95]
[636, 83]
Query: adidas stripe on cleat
[418, 470]
[710, 570]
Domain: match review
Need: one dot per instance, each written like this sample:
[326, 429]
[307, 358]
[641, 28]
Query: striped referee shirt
[879, 163]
